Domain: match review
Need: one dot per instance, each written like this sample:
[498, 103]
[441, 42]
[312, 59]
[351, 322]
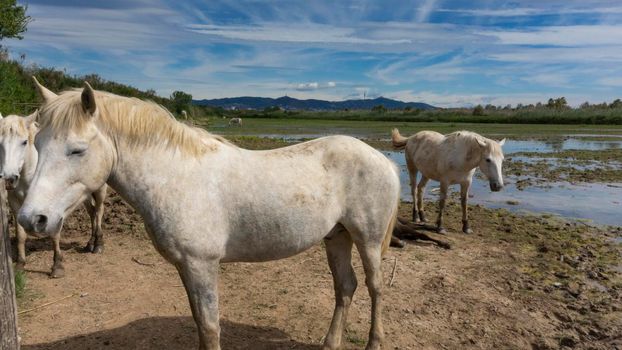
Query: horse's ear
[481, 142]
[46, 94]
[1, 116]
[88, 99]
[502, 142]
[31, 121]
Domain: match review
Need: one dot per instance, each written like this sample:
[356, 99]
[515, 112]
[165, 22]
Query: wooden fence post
[8, 307]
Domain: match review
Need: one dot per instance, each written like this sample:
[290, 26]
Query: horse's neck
[147, 175]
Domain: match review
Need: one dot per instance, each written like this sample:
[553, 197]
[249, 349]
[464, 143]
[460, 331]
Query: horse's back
[319, 184]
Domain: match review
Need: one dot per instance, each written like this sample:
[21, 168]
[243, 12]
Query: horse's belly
[275, 244]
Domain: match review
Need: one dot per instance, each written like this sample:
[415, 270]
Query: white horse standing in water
[18, 159]
[235, 121]
[206, 201]
[449, 159]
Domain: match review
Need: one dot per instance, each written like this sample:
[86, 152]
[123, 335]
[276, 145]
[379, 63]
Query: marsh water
[597, 202]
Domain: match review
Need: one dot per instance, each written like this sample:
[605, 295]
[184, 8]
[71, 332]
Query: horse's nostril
[41, 219]
[40, 222]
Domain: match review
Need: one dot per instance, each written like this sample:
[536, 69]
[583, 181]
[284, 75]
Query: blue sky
[447, 53]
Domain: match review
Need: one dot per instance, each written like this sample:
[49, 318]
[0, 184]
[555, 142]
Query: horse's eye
[488, 160]
[25, 143]
[78, 152]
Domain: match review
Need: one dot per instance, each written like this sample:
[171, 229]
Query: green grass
[20, 283]
[382, 129]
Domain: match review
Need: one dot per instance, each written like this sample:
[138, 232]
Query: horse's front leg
[21, 245]
[58, 269]
[441, 206]
[464, 195]
[200, 278]
[96, 212]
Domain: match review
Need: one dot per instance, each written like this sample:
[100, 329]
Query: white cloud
[571, 36]
[307, 86]
[425, 10]
[292, 33]
[532, 11]
[448, 100]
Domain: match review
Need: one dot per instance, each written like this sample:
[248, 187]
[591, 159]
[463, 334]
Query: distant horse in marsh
[449, 159]
[18, 160]
[207, 201]
[235, 121]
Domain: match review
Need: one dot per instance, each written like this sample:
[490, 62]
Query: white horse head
[74, 165]
[491, 162]
[16, 133]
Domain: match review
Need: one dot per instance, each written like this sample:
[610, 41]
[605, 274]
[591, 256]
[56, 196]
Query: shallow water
[559, 144]
[554, 144]
[597, 202]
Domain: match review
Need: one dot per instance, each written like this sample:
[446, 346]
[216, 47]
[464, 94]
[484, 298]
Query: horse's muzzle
[496, 187]
[39, 223]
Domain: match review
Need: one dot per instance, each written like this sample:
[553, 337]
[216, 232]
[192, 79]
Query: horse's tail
[389, 233]
[399, 141]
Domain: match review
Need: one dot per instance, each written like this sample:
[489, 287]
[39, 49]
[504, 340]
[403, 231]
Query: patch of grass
[355, 339]
[370, 129]
[20, 284]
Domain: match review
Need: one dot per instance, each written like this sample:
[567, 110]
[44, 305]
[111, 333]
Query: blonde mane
[16, 125]
[472, 139]
[139, 123]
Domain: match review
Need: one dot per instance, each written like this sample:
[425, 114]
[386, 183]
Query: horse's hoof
[441, 231]
[57, 272]
[373, 345]
[98, 249]
[19, 266]
[397, 243]
[467, 231]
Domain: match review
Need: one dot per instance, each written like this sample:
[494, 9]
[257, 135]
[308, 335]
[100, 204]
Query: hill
[289, 103]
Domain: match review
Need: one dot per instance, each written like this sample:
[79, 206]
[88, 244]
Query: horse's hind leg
[58, 270]
[339, 253]
[420, 190]
[441, 206]
[371, 256]
[200, 278]
[464, 194]
[95, 210]
[412, 173]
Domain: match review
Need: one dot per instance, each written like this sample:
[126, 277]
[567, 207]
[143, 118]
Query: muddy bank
[518, 282]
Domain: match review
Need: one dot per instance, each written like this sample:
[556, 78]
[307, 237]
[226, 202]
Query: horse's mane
[139, 123]
[471, 138]
[15, 124]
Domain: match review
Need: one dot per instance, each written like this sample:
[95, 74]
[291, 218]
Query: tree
[13, 19]
[616, 104]
[379, 109]
[181, 100]
[478, 110]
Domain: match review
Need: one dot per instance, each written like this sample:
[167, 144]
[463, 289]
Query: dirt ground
[519, 282]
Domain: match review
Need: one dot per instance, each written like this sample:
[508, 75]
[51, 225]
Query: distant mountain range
[290, 103]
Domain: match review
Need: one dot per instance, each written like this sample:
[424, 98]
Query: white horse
[449, 159]
[235, 121]
[206, 201]
[18, 159]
